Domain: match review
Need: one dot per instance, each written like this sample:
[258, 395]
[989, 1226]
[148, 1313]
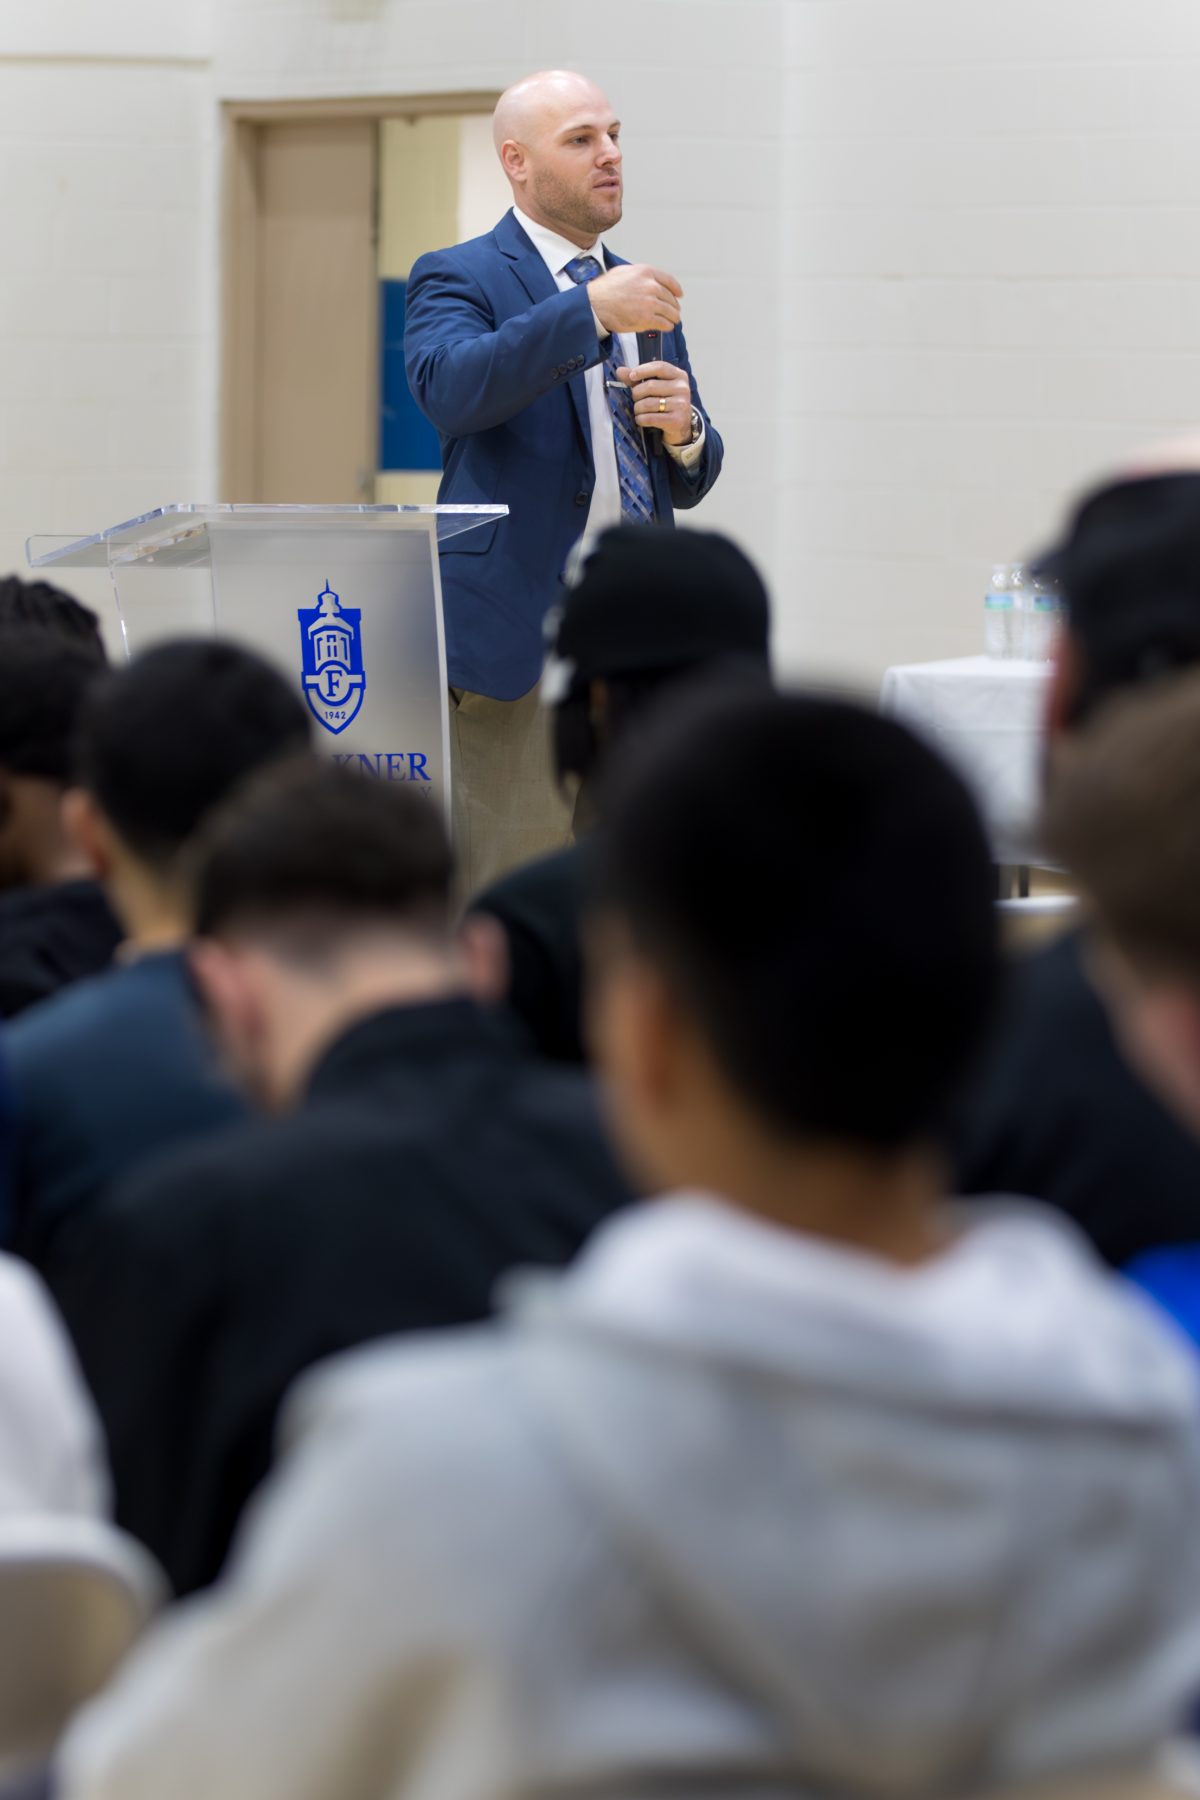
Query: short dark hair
[1122, 811]
[311, 848]
[166, 738]
[815, 885]
[646, 605]
[44, 683]
[580, 750]
[36, 604]
[1129, 569]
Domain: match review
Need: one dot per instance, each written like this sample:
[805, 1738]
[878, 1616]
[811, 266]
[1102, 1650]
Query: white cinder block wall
[107, 300]
[991, 229]
[942, 257]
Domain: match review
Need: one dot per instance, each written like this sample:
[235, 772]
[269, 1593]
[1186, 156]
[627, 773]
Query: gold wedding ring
[662, 405]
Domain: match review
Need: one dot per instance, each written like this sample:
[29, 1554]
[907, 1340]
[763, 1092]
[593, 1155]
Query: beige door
[304, 388]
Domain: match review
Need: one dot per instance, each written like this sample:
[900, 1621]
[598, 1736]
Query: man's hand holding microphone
[636, 297]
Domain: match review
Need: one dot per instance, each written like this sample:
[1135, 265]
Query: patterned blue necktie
[633, 466]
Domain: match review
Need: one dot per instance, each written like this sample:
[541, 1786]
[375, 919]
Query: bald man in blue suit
[558, 378]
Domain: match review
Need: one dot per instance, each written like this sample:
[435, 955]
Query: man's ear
[1160, 1032]
[229, 993]
[1065, 680]
[630, 1019]
[512, 157]
[599, 704]
[14, 871]
[484, 944]
[88, 829]
[660, 1038]
[1157, 1021]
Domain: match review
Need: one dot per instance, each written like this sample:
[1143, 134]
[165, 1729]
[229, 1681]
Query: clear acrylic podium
[345, 600]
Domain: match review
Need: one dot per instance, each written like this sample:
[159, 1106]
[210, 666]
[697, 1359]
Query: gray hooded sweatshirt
[724, 1511]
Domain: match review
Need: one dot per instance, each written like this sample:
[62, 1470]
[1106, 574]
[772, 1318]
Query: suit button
[582, 498]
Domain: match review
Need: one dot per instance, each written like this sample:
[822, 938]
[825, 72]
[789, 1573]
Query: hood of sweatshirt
[936, 1525]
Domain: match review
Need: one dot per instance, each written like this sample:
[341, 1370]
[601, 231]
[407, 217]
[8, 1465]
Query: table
[986, 717]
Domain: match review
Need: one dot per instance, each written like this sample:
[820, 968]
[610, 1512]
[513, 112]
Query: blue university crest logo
[331, 643]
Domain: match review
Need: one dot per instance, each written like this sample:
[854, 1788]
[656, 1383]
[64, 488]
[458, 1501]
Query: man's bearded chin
[555, 200]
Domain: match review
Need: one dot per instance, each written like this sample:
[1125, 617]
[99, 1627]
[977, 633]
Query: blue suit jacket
[496, 357]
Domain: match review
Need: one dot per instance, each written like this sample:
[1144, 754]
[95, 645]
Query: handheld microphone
[650, 350]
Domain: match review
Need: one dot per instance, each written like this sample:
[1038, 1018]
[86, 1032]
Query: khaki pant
[506, 805]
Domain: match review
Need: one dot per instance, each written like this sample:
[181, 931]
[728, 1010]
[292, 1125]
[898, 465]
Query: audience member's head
[644, 607]
[37, 606]
[322, 896]
[43, 684]
[1124, 813]
[162, 741]
[794, 946]
[1129, 568]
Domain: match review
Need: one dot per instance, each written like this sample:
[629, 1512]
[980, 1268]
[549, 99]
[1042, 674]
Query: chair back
[74, 1594]
[1171, 1783]
[1028, 921]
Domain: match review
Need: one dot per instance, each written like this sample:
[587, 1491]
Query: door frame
[242, 123]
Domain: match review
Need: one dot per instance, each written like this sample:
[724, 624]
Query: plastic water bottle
[1022, 596]
[1042, 619]
[999, 614]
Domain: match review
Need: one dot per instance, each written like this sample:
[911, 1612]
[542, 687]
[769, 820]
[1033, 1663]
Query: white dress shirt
[556, 252]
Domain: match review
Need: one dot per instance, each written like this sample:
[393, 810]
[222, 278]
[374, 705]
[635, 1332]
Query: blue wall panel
[406, 438]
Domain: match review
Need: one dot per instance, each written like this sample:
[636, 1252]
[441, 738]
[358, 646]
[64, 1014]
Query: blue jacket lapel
[528, 266]
[530, 270]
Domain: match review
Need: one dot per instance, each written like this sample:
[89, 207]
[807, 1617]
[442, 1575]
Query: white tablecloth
[986, 717]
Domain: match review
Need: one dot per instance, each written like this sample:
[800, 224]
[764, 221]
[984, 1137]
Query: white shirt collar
[555, 251]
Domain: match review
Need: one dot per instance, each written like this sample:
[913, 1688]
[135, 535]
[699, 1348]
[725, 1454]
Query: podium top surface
[177, 536]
